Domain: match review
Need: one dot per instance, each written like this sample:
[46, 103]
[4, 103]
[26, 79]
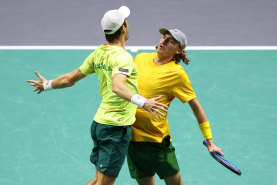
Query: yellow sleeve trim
[206, 130]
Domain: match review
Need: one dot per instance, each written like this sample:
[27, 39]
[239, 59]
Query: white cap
[177, 34]
[113, 19]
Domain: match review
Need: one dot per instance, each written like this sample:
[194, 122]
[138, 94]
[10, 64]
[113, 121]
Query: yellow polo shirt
[168, 80]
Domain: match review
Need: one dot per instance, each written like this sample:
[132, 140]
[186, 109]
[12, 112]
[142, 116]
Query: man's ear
[178, 51]
[123, 28]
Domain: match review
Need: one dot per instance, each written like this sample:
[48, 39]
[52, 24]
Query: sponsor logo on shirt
[124, 70]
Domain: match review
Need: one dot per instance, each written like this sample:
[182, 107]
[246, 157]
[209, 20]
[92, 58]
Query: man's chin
[159, 50]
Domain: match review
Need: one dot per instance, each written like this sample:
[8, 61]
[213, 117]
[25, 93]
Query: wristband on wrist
[47, 85]
[138, 100]
[206, 130]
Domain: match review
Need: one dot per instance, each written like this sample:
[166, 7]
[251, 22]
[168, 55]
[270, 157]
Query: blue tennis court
[45, 139]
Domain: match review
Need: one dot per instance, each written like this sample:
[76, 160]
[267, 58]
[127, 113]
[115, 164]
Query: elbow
[115, 89]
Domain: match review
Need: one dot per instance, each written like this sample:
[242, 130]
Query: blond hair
[182, 56]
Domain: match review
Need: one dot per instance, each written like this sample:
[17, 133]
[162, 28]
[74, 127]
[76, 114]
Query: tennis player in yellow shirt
[150, 150]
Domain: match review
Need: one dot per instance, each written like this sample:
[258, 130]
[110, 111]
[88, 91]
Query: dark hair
[116, 35]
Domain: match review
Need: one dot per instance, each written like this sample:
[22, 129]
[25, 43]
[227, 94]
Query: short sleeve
[124, 64]
[87, 67]
[181, 87]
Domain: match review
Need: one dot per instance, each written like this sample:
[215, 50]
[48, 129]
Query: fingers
[220, 152]
[161, 108]
[31, 81]
[36, 89]
[40, 77]
[161, 104]
[34, 84]
[155, 110]
[157, 98]
[217, 150]
[152, 106]
[153, 114]
[37, 83]
[40, 91]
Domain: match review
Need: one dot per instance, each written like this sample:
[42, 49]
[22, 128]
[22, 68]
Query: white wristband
[47, 85]
[138, 100]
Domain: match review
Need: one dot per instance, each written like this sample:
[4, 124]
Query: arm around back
[120, 88]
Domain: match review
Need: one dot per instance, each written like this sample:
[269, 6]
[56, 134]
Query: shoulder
[180, 72]
[118, 55]
[124, 57]
[178, 68]
[90, 57]
[127, 55]
[145, 56]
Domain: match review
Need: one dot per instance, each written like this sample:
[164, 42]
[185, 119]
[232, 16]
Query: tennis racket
[223, 161]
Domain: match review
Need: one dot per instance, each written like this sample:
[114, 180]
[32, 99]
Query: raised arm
[204, 125]
[63, 81]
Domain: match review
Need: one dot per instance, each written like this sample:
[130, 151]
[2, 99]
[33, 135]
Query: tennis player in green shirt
[117, 75]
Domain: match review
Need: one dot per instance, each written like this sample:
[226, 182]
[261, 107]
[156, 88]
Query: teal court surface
[45, 139]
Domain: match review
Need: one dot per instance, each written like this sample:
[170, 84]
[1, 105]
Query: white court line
[136, 48]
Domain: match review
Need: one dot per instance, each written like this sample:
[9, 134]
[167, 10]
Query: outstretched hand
[151, 105]
[38, 84]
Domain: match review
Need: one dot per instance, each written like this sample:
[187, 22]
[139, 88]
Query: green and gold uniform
[107, 61]
[147, 154]
[111, 130]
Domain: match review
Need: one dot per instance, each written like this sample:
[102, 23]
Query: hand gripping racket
[224, 161]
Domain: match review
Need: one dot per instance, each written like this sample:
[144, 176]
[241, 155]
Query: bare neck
[119, 42]
[160, 59]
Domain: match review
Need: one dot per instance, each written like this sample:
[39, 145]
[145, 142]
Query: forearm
[120, 88]
[68, 79]
[62, 81]
[202, 120]
[204, 125]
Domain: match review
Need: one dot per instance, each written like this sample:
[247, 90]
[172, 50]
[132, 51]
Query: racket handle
[206, 144]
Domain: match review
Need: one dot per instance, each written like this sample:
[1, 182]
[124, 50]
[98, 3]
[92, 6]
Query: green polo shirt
[107, 61]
